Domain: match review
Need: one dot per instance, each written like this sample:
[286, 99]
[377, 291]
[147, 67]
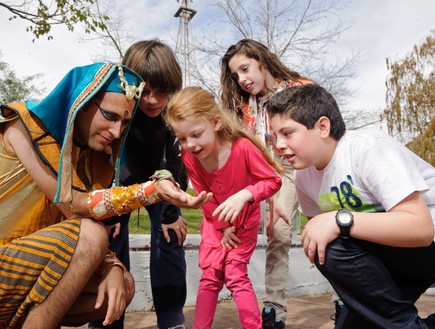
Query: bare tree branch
[301, 33]
[114, 36]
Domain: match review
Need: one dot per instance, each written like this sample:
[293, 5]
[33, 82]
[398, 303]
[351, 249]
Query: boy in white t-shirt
[371, 204]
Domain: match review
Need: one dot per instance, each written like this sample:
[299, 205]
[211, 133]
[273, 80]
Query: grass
[140, 221]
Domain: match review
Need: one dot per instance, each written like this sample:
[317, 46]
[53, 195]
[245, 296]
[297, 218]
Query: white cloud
[52, 58]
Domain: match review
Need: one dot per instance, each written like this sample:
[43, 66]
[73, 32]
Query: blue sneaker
[269, 319]
[338, 307]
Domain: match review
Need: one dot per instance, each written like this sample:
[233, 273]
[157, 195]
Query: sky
[379, 30]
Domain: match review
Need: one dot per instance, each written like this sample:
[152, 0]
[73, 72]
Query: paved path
[305, 312]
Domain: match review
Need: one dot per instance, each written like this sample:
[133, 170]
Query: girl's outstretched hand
[231, 207]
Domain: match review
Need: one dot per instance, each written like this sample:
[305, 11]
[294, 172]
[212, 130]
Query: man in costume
[56, 169]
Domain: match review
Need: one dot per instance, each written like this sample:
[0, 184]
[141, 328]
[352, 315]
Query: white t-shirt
[369, 172]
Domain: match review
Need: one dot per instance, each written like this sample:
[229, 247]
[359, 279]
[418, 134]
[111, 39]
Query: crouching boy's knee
[337, 256]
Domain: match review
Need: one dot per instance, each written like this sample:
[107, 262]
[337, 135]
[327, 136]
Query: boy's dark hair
[306, 104]
[156, 63]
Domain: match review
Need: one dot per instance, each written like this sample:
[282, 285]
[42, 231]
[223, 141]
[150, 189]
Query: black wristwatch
[344, 219]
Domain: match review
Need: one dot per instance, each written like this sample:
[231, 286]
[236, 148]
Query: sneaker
[269, 319]
[338, 307]
[179, 326]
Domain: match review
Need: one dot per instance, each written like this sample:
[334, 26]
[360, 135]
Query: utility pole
[182, 49]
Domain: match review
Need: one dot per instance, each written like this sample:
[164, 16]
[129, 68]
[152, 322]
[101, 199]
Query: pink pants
[235, 278]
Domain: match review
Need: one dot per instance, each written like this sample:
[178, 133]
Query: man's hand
[229, 240]
[112, 286]
[115, 228]
[318, 233]
[231, 207]
[275, 212]
[179, 227]
[169, 192]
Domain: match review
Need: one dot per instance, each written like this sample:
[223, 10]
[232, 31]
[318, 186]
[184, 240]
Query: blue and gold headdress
[59, 110]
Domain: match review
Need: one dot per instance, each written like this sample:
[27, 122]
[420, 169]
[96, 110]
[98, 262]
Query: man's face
[153, 101]
[105, 119]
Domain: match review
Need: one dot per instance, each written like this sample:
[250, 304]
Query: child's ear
[324, 126]
[217, 122]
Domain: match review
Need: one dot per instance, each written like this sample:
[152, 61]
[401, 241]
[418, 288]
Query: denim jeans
[379, 285]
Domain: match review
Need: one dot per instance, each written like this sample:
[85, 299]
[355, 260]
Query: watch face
[345, 218]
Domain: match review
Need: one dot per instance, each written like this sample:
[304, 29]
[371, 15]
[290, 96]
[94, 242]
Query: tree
[13, 89]
[114, 36]
[410, 97]
[424, 145]
[293, 30]
[301, 33]
[42, 15]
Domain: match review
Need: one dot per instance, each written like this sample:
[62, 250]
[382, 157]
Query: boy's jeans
[379, 284]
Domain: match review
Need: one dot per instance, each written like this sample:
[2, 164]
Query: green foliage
[140, 221]
[13, 89]
[42, 15]
[410, 93]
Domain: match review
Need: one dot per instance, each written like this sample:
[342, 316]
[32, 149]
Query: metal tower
[182, 48]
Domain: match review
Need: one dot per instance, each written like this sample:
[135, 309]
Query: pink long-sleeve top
[246, 168]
